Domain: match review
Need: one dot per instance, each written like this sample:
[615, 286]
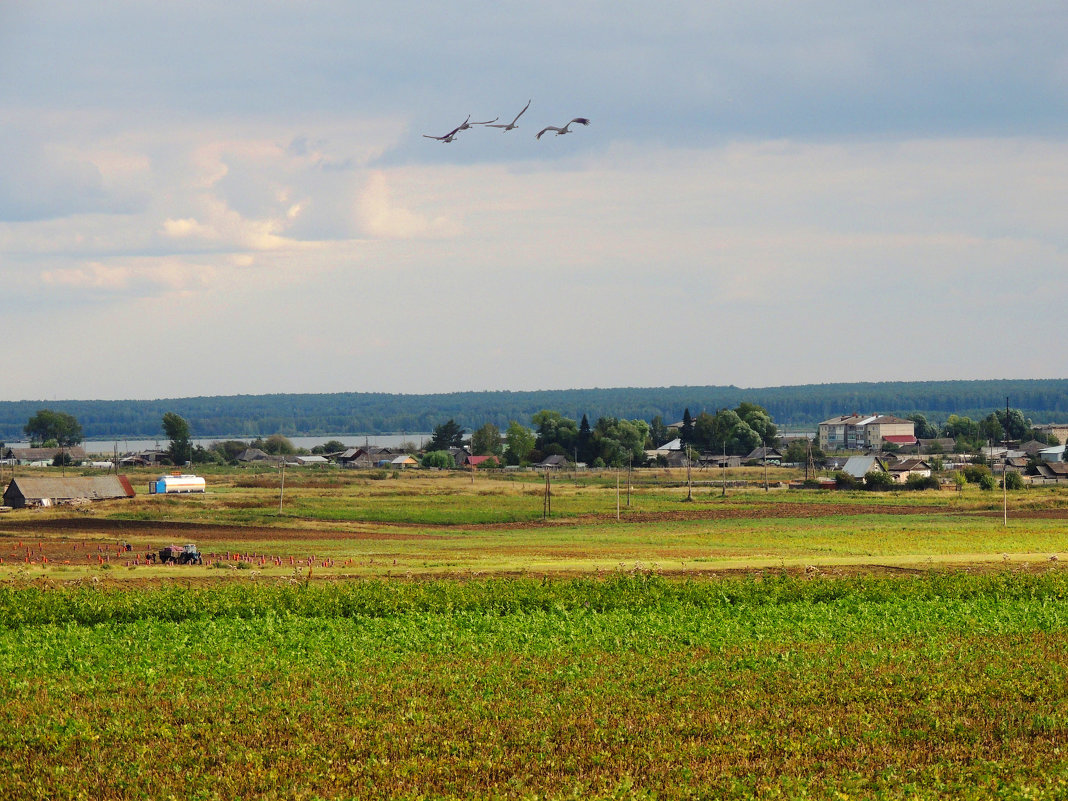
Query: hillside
[1042, 400]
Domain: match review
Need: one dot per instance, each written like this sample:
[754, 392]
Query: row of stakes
[103, 556]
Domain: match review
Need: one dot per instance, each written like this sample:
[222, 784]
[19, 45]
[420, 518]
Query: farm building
[34, 491]
[26, 456]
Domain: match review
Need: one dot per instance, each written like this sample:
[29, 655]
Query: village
[874, 451]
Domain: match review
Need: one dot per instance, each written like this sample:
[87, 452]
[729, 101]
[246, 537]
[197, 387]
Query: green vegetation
[251, 416]
[48, 428]
[634, 686]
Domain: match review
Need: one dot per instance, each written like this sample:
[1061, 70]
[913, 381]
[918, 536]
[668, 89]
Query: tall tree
[447, 435]
[50, 426]
[177, 431]
[686, 432]
[584, 441]
[487, 441]
[520, 441]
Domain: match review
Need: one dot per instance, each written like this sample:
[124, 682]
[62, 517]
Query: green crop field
[945, 685]
[448, 636]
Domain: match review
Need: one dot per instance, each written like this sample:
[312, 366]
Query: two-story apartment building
[859, 432]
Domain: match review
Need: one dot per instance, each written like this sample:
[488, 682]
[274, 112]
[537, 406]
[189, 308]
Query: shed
[36, 491]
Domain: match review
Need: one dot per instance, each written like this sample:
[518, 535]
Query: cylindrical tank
[172, 484]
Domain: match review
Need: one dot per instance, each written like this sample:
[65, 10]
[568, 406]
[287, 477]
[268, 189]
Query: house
[1051, 472]
[1054, 454]
[253, 455]
[936, 445]
[718, 460]
[481, 461]
[310, 461]
[554, 462]
[35, 491]
[905, 469]
[860, 466]
[771, 455]
[405, 460]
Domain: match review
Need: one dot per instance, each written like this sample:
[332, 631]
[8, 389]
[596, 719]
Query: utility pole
[689, 483]
[765, 465]
[282, 486]
[630, 464]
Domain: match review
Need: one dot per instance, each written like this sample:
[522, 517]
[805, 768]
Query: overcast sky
[202, 198]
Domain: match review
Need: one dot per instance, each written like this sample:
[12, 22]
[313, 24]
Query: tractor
[180, 554]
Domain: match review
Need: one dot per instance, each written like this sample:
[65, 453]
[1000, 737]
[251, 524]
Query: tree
[584, 441]
[686, 433]
[48, 425]
[440, 459]
[177, 431]
[619, 442]
[332, 446]
[447, 435]
[487, 441]
[924, 429]
[279, 445]
[519, 442]
[554, 429]
[1013, 481]
[657, 431]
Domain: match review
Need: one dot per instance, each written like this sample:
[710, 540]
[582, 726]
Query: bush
[987, 482]
[1013, 481]
[973, 473]
[921, 482]
[878, 482]
[440, 459]
[846, 482]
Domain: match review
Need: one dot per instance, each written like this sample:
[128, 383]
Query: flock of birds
[463, 126]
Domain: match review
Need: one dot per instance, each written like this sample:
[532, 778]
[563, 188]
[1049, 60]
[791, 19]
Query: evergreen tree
[686, 434]
[447, 435]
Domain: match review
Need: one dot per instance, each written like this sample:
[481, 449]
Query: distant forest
[250, 416]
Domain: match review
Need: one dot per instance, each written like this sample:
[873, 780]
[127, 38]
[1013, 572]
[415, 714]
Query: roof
[36, 454]
[1053, 469]
[553, 461]
[37, 488]
[474, 461]
[758, 453]
[907, 465]
[860, 466]
[900, 439]
[252, 455]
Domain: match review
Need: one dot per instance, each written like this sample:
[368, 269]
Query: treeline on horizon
[251, 416]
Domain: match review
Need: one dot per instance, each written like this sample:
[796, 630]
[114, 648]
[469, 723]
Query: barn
[37, 491]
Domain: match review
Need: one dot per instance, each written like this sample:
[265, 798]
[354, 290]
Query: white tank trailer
[173, 484]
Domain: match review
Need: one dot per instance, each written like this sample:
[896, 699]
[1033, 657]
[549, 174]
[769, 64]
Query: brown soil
[86, 540]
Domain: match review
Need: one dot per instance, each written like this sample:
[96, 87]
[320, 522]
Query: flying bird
[451, 134]
[512, 124]
[467, 124]
[564, 130]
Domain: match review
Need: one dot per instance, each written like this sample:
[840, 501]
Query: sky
[203, 198]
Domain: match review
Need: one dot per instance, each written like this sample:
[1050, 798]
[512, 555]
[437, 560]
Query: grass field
[431, 636]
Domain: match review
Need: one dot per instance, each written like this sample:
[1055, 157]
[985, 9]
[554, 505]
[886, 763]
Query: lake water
[108, 447]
